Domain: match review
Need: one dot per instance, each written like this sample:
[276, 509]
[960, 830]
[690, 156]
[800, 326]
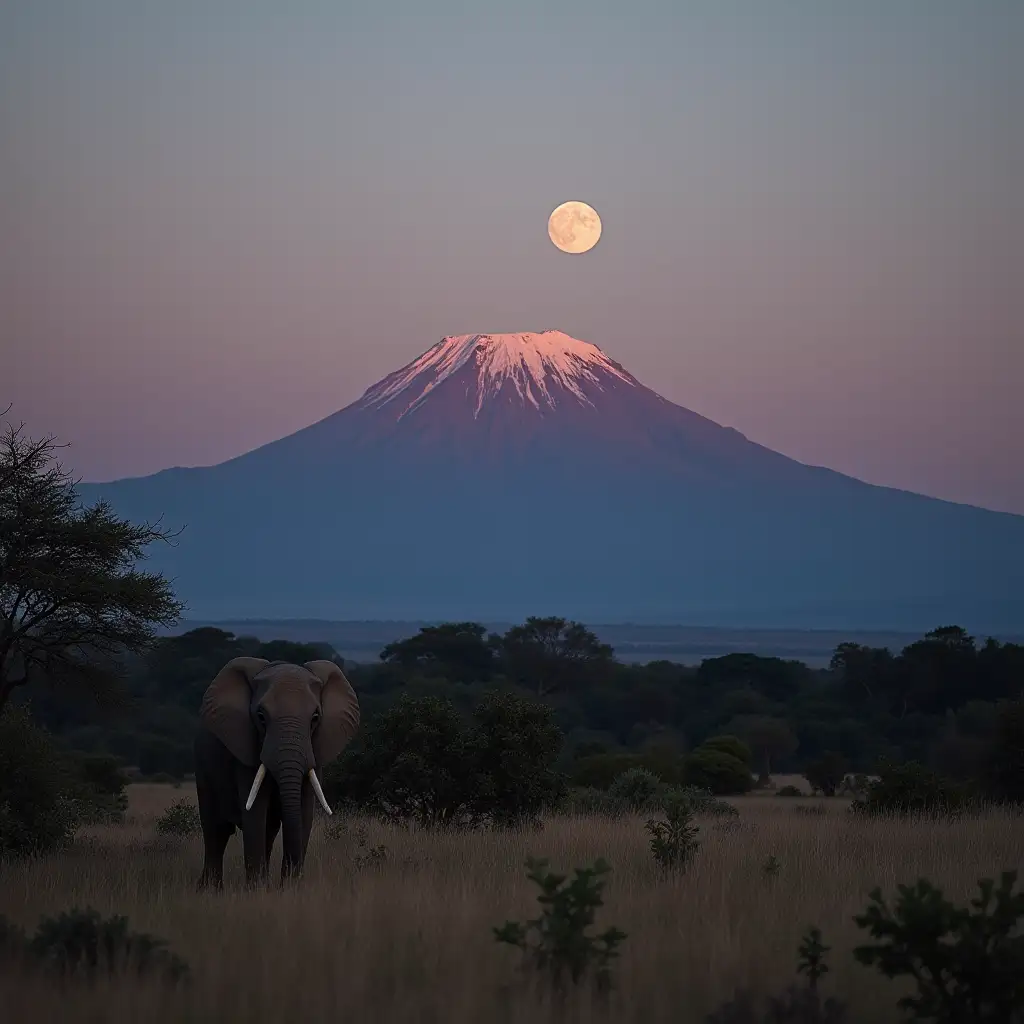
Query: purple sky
[222, 222]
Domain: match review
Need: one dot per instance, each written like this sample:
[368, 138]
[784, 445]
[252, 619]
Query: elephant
[266, 728]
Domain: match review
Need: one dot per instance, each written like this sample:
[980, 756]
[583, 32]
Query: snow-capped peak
[538, 366]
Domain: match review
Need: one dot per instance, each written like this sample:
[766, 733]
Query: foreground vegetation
[407, 934]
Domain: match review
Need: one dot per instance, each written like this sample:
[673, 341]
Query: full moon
[574, 226]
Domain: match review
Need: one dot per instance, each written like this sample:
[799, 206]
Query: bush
[968, 965]
[517, 743]
[908, 789]
[557, 944]
[80, 944]
[826, 773]
[97, 788]
[635, 789]
[180, 819]
[674, 841]
[789, 791]
[37, 808]
[420, 761]
[721, 773]
[702, 801]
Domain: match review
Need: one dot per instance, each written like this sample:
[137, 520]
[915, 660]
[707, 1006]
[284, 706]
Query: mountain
[503, 475]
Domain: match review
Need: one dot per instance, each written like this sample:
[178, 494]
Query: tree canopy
[72, 597]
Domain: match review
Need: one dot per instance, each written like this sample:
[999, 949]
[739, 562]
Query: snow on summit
[542, 369]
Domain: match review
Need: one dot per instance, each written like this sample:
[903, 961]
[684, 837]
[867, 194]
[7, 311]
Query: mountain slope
[497, 476]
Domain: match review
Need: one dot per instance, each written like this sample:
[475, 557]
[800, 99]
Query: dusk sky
[222, 221]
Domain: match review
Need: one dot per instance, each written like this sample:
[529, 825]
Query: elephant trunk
[292, 757]
[290, 788]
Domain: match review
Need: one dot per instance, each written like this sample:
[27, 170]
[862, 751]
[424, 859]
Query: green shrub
[908, 789]
[702, 801]
[97, 787]
[37, 807]
[721, 773]
[635, 789]
[967, 964]
[80, 944]
[789, 791]
[516, 743]
[180, 819]
[556, 945]
[674, 841]
[420, 761]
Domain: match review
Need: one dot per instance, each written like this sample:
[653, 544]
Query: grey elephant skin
[267, 729]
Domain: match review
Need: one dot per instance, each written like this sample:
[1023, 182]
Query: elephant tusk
[319, 792]
[256, 783]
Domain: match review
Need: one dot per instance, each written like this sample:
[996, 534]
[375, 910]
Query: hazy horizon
[225, 223]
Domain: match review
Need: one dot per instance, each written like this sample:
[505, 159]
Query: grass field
[410, 939]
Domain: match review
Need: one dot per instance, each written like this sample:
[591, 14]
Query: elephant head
[288, 720]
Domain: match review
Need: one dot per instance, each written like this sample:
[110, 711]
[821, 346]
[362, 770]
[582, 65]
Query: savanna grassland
[408, 937]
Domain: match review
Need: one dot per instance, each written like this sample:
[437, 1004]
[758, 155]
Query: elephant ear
[225, 708]
[339, 708]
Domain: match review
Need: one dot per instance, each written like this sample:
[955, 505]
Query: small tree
[674, 841]
[827, 772]
[72, 599]
[415, 762]
[557, 943]
[37, 809]
[551, 654]
[517, 743]
[459, 651]
[717, 771]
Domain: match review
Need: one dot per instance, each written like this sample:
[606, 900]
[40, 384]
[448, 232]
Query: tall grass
[409, 939]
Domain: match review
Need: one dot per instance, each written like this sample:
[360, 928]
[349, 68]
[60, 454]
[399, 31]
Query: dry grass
[411, 940]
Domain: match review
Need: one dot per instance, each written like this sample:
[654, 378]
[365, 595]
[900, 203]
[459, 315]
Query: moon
[574, 226]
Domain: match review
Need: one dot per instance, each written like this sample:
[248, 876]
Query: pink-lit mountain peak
[543, 370]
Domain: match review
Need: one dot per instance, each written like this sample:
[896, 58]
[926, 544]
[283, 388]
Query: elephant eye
[316, 718]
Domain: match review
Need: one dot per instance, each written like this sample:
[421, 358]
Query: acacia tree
[457, 650]
[551, 654]
[72, 599]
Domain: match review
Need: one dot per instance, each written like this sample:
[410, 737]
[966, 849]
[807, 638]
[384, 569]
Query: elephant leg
[215, 840]
[273, 827]
[254, 843]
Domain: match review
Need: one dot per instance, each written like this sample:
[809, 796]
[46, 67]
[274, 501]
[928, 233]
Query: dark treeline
[934, 702]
